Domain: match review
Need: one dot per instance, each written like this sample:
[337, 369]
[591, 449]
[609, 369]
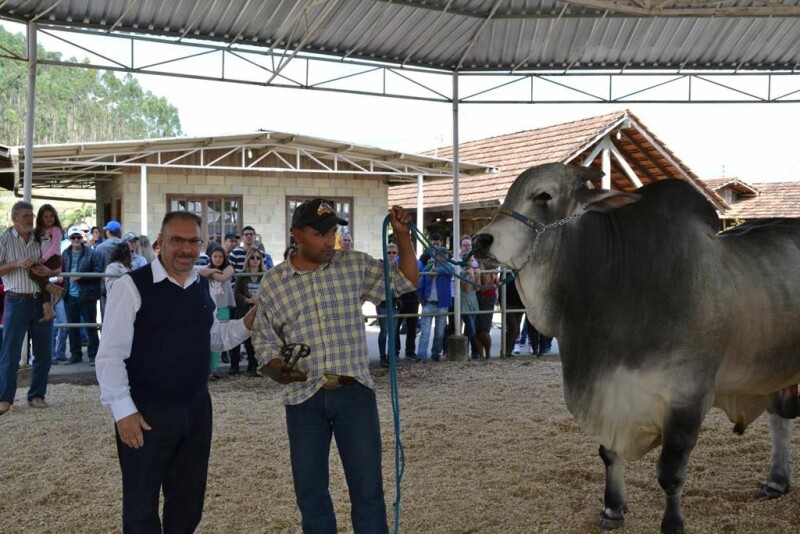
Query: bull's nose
[480, 244]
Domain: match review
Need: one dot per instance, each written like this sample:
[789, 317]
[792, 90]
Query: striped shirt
[14, 248]
[236, 258]
[322, 308]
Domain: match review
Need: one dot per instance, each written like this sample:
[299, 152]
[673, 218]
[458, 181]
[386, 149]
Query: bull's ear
[584, 174]
[605, 199]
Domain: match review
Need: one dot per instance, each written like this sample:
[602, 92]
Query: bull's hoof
[672, 525]
[610, 520]
[767, 492]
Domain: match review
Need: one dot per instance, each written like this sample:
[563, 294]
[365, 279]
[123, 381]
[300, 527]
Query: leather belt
[23, 295]
[336, 381]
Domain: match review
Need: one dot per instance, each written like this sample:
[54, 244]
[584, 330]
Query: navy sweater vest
[170, 356]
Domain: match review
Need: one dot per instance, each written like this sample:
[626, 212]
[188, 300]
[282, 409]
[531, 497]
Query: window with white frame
[220, 213]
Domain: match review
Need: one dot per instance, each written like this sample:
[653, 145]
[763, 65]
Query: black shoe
[413, 357]
[74, 359]
[435, 358]
[384, 362]
[224, 357]
[233, 371]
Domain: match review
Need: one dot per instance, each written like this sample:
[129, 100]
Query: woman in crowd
[245, 292]
[487, 297]
[146, 248]
[383, 324]
[49, 232]
[95, 237]
[119, 263]
[219, 273]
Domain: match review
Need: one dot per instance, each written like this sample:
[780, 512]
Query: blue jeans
[82, 311]
[384, 330]
[425, 331]
[60, 334]
[174, 458]
[22, 316]
[350, 414]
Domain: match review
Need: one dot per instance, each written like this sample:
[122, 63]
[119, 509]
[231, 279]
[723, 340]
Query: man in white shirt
[152, 367]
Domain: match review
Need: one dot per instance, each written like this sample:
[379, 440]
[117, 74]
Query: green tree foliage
[74, 104]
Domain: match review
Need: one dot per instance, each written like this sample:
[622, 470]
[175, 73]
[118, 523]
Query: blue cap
[114, 226]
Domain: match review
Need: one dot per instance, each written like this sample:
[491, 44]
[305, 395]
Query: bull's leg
[614, 506]
[679, 437]
[778, 482]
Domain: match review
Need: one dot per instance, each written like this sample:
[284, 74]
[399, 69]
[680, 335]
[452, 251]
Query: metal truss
[80, 166]
[251, 65]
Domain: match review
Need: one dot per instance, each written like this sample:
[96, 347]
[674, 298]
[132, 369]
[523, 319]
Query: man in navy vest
[152, 367]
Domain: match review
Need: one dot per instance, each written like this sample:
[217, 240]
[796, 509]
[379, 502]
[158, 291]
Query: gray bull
[658, 318]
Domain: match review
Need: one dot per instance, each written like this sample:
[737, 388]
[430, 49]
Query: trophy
[282, 369]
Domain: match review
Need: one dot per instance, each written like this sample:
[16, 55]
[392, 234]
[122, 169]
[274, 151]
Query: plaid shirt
[322, 308]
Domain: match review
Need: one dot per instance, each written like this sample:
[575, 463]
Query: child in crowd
[50, 234]
[219, 274]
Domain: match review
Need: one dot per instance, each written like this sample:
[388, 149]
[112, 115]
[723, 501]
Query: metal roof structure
[81, 165]
[510, 51]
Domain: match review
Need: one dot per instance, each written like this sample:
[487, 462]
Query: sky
[752, 142]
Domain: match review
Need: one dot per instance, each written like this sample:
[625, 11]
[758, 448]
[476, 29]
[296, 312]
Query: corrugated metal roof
[573, 141]
[465, 35]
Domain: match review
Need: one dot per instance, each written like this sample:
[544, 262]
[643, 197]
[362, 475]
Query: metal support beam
[143, 199]
[534, 84]
[31, 113]
[420, 210]
[456, 207]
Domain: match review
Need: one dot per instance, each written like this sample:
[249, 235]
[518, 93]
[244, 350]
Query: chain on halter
[538, 227]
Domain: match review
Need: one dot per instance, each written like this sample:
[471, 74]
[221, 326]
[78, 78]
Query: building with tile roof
[618, 143]
[756, 201]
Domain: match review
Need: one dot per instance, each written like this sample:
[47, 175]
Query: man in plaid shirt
[315, 298]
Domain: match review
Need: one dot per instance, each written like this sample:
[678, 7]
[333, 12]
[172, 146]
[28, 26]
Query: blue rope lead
[400, 455]
[399, 452]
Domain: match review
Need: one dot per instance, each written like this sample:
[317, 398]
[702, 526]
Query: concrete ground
[68, 373]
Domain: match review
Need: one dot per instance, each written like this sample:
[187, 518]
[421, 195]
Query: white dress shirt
[123, 303]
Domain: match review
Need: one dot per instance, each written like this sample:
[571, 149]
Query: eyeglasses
[177, 241]
[391, 252]
[76, 238]
[248, 234]
[257, 258]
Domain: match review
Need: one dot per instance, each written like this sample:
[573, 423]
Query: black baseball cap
[231, 235]
[318, 214]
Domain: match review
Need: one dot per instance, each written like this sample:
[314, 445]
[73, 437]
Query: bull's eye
[542, 197]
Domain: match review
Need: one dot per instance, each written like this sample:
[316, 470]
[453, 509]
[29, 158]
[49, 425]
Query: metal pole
[420, 211]
[456, 210]
[143, 199]
[31, 112]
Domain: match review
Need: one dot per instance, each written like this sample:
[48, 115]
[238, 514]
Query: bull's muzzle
[481, 244]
